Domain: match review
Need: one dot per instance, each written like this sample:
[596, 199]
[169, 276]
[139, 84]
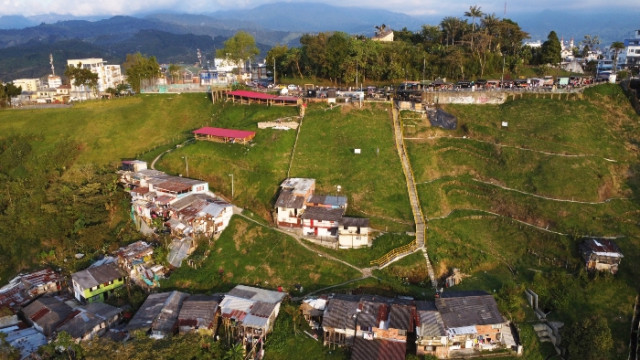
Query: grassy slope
[496, 250]
[115, 129]
[373, 180]
[248, 253]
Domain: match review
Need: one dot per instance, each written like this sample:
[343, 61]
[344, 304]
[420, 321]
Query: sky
[88, 8]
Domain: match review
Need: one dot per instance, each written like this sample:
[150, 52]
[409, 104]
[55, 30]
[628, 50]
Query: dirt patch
[246, 238]
[249, 268]
[268, 270]
[314, 277]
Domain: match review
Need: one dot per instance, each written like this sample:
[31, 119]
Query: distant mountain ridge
[175, 37]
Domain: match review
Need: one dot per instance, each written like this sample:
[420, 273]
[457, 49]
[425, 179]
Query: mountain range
[25, 42]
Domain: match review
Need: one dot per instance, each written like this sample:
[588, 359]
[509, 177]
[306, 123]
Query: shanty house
[96, 283]
[291, 201]
[364, 349]
[339, 320]
[224, 135]
[158, 315]
[249, 313]
[24, 287]
[431, 337]
[91, 320]
[199, 313]
[601, 255]
[472, 320]
[199, 214]
[321, 221]
[180, 249]
[136, 253]
[45, 314]
[353, 232]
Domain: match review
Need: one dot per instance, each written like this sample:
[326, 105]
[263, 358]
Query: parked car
[292, 87]
[463, 84]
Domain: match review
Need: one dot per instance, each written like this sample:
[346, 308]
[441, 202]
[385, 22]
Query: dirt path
[513, 147]
[418, 216]
[153, 163]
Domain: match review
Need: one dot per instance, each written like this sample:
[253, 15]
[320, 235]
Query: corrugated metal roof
[95, 276]
[299, 186]
[378, 349]
[322, 214]
[287, 199]
[268, 296]
[357, 222]
[200, 309]
[468, 309]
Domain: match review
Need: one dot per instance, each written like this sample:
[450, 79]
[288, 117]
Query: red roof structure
[224, 135]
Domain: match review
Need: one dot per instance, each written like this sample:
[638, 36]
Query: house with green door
[97, 283]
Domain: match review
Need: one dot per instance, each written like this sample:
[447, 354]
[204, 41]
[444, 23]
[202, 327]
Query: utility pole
[502, 79]
[186, 163]
[231, 186]
[274, 70]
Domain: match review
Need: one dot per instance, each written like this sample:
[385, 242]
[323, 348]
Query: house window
[402, 332]
[429, 348]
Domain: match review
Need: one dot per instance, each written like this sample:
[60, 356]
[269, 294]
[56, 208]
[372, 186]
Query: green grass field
[109, 130]
[461, 175]
[373, 180]
[247, 253]
[257, 169]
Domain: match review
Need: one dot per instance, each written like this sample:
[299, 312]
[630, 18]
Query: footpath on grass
[366, 272]
[420, 242]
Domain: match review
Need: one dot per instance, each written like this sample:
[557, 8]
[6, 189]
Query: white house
[321, 222]
[353, 232]
[291, 202]
[109, 76]
[632, 50]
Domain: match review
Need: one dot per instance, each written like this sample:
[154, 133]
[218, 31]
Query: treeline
[456, 48]
[51, 208]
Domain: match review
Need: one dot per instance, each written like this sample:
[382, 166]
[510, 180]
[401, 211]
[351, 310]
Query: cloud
[413, 7]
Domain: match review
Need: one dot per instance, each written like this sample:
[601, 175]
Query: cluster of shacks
[374, 327]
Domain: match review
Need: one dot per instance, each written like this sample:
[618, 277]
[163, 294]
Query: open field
[108, 130]
[247, 253]
[257, 169]
[373, 180]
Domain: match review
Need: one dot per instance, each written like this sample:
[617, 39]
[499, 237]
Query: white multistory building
[109, 76]
[632, 50]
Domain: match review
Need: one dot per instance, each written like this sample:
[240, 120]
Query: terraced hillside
[509, 205]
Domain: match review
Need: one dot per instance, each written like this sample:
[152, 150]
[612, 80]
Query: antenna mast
[53, 71]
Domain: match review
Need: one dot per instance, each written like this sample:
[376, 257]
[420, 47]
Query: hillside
[507, 206]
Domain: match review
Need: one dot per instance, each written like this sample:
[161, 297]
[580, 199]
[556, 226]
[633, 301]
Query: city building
[109, 76]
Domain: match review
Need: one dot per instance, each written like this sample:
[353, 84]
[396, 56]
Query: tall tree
[174, 71]
[240, 48]
[139, 68]
[474, 13]
[550, 52]
[616, 47]
[80, 76]
[8, 91]
[589, 339]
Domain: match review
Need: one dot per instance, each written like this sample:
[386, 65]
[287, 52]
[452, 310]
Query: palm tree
[474, 13]
[617, 47]
[381, 29]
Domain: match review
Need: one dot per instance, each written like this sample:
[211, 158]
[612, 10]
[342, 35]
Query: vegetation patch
[266, 260]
